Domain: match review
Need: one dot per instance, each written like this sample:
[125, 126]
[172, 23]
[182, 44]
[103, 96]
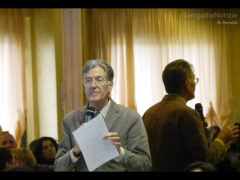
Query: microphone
[199, 109]
[90, 113]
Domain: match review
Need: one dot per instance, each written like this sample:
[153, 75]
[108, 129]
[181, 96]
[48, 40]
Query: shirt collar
[105, 109]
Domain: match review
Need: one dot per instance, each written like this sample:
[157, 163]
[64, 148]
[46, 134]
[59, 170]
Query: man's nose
[93, 83]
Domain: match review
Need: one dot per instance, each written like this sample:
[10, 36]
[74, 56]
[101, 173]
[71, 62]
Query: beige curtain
[140, 42]
[73, 95]
[12, 96]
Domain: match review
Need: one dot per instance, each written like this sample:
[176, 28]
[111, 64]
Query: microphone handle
[88, 118]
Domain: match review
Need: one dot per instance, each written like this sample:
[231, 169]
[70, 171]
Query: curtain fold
[73, 95]
[12, 84]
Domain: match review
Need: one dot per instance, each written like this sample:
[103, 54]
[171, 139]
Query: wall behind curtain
[140, 42]
[12, 85]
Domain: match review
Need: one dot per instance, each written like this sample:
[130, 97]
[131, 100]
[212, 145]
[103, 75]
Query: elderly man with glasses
[126, 128]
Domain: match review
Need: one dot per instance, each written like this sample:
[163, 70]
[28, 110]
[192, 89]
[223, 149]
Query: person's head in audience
[23, 157]
[6, 159]
[33, 145]
[7, 140]
[201, 166]
[45, 150]
[179, 78]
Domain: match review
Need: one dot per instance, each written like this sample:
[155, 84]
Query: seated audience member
[23, 157]
[7, 140]
[26, 161]
[44, 150]
[175, 131]
[201, 166]
[6, 159]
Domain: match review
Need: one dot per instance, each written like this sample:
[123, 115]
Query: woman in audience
[44, 150]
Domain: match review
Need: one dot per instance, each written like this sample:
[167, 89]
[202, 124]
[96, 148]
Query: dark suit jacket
[176, 136]
[129, 125]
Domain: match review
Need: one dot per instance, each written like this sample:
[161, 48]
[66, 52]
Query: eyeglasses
[196, 80]
[98, 80]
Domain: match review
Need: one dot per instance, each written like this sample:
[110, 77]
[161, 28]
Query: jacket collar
[174, 97]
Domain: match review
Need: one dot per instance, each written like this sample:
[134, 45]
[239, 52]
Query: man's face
[97, 88]
[7, 141]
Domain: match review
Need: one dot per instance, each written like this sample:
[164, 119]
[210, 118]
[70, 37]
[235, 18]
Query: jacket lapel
[112, 115]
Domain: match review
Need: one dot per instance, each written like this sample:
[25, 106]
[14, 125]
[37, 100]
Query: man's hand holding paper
[97, 145]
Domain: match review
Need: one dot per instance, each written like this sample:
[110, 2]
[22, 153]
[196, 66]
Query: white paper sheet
[96, 150]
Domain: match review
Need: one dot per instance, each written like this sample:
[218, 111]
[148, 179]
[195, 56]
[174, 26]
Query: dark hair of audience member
[37, 148]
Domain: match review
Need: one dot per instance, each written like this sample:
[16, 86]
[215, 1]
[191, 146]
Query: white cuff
[121, 156]
[73, 158]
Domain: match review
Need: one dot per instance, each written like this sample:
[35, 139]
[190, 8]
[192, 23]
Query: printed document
[96, 150]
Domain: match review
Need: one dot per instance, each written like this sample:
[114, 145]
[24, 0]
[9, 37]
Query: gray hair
[99, 63]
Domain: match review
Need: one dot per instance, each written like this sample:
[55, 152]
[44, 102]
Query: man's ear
[110, 85]
[186, 83]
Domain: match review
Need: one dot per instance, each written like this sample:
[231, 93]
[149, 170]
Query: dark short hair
[175, 74]
[99, 63]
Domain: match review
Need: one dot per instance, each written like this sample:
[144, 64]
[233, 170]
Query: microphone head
[90, 111]
[199, 109]
[198, 106]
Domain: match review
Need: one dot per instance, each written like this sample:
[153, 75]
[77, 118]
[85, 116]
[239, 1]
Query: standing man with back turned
[126, 128]
[175, 131]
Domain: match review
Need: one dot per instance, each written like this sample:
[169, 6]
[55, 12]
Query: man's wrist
[121, 156]
[76, 154]
[73, 157]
